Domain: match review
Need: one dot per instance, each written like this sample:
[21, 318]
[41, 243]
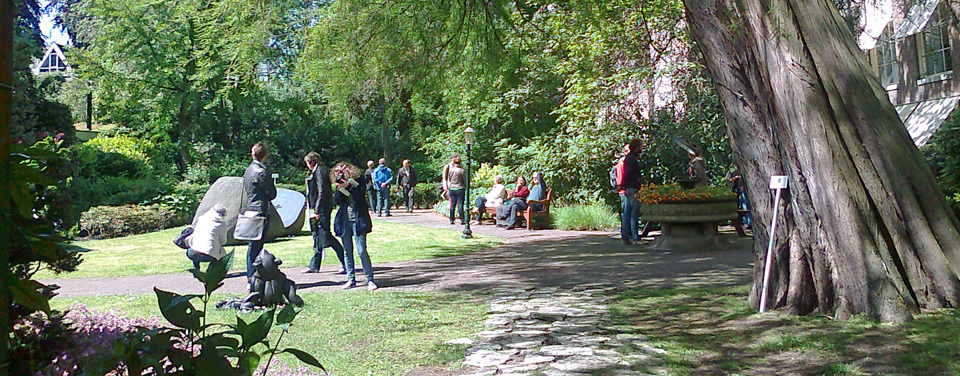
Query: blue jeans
[383, 200]
[629, 215]
[349, 237]
[322, 238]
[457, 197]
[372, 198]
[198, 257]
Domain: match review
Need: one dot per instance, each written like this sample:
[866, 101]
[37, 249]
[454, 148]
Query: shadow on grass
[713, 331]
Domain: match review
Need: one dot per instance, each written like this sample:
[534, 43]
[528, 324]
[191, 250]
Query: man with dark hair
[628, 183]
[320, 200]
[259, 189]
[407, 179]
[371, 190]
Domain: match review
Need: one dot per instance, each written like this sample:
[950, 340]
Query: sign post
[779, 183]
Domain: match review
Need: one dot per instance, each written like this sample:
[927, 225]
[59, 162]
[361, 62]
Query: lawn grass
[154, 253]
[352, 332]
[714, 331]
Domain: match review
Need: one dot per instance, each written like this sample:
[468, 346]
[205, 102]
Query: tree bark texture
[7, 11]
[864, 228]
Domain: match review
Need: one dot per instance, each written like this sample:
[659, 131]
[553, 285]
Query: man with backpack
[627, 175]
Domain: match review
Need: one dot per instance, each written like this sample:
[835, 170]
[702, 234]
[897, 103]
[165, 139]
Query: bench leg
[739, 227]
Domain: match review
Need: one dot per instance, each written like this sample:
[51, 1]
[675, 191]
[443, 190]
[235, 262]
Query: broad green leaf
[286, 315]
[255, 332]
[178, 310]
[28, 294]
[305, 357]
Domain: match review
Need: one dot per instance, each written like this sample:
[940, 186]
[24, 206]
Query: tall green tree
[175, 66]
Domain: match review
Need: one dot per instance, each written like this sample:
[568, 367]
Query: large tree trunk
[864, 228]
[7, 10]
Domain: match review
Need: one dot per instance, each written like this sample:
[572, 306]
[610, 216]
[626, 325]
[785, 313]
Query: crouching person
[209, 236]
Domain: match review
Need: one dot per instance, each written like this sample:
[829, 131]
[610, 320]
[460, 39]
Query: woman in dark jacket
[507, 213]
[352, 222]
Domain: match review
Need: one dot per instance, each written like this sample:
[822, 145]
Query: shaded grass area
[154, 253]
[352, 332]
[714, 331]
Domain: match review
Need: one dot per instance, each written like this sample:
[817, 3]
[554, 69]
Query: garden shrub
[590, 217]
[118, 170]
[104, 222]
[943, 157]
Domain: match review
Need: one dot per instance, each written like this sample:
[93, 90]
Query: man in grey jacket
[259, 189]
[320, 199]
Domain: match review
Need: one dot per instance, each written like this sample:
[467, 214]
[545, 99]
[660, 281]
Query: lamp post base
[467, 233]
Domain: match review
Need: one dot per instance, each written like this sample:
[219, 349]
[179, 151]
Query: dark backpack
[181, 240]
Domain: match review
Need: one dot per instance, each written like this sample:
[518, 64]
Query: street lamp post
[469, 136]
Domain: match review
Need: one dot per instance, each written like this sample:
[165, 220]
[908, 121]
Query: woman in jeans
[507, 213]
[456, 180]
[352, 222]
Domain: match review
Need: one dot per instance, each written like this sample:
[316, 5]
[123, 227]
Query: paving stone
[629, 337]
[484, 372]
[460, 341]
[537, 359]
[486, 358]
[517, 368]
[561, 350]
[651, 349]
[529, 333]
[524, 343]
[582, 363]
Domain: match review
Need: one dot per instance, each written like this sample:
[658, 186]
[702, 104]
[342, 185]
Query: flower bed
[673, 193]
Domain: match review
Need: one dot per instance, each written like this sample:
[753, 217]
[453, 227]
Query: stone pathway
[553, 332]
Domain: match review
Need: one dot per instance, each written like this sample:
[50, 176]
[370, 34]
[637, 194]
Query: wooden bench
[533, 219]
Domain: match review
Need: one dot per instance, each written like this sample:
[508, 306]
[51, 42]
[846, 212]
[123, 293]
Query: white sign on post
[779, 183]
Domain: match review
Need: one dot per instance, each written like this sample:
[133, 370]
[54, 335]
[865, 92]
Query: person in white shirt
[209, 235]
[493, 198]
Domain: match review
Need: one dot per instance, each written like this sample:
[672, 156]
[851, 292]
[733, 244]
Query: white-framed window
[52, 64]
[935, 44]
[888, 68]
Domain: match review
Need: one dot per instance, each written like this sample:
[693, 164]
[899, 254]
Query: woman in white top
[209, 235]
[493, 198]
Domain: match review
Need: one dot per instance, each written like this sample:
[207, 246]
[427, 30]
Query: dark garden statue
[270, 286]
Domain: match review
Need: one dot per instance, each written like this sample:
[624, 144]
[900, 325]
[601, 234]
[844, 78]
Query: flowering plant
[673, 193]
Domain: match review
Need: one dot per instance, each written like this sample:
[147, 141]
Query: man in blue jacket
[382, 178]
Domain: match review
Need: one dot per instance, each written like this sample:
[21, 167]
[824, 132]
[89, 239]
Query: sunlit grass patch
[154, 253]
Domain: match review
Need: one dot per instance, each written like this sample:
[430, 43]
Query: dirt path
[529, 259]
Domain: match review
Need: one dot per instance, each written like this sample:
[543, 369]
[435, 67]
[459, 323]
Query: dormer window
[935, 44]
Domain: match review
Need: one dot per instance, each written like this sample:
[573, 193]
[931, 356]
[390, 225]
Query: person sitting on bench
[507, 213]
[493, 198]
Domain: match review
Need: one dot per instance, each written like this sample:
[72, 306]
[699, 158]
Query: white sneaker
[371, 286]
[349, 285]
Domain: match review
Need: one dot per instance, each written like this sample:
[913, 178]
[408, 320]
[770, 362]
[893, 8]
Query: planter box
[690, 225]
[698, 211]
